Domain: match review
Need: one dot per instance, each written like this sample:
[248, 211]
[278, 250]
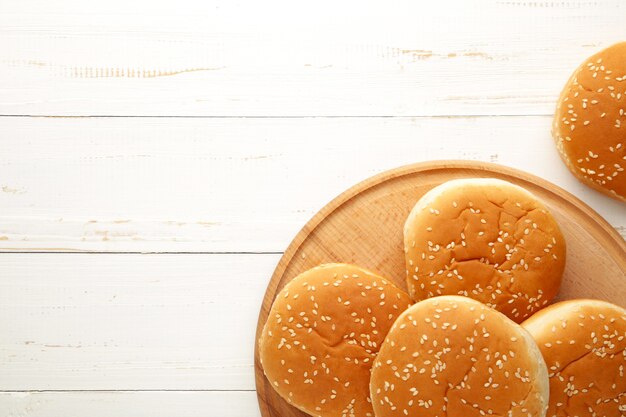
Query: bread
[584, 345]
[486, 239]
[590, 122]
[453, 356]
[322, 335]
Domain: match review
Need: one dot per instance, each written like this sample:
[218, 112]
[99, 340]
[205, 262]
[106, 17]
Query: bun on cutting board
[322, 334]
[584, 345]
[454, 356]
[589, 126]
[486, 239]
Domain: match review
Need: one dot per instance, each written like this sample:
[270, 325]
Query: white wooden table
[157, 157]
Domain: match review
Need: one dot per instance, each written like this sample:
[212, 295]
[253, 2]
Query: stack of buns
[471, 335]
[484, 259]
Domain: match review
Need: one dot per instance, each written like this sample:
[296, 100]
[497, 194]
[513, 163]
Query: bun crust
[486, 239]
[589, 126]
[453, 356]
[584, 345]
[322, 334]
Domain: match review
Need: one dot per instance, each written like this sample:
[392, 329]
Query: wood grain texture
[129, 404]
[278, 58]
[129, 322]
[364, 226]
[229, 185]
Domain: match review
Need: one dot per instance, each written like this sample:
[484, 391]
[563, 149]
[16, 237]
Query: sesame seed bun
[322, 335]
[584, 345]
[486, 239]
[590, 122]
[454, 356]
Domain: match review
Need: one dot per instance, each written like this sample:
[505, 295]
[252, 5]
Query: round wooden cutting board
[364, 226]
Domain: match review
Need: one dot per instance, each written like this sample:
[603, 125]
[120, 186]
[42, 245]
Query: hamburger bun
[322, 335]
[486, 239]
[584, 345]
[453, 356]
[589, 126]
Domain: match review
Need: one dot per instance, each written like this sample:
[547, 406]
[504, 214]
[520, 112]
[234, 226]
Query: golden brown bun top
[584, 345]
[322, 335]
[453, 356]
[590, 122]
[486, 239]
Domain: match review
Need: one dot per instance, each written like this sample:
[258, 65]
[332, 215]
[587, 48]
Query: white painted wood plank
[129, 322]
[279, 58]
[152, 184]
[129, 404]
